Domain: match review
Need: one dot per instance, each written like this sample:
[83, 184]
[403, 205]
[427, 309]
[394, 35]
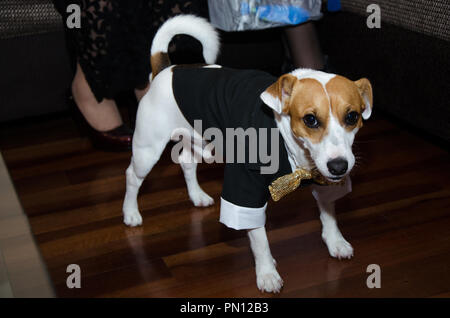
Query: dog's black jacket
[228, 98]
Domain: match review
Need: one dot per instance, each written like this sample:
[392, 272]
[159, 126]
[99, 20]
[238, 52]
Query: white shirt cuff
[241, 218]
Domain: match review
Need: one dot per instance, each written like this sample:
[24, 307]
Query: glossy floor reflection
[398, 216]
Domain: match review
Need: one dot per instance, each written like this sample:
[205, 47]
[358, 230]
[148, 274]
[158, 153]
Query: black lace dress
[113, 44]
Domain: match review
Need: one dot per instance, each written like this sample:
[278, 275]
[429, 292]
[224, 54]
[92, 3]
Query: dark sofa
[33, 59]
[407, 59]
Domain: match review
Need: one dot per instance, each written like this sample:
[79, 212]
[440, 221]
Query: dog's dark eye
[311, 121]
[351, 118]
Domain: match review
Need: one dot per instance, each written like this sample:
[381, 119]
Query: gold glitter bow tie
[288, 183]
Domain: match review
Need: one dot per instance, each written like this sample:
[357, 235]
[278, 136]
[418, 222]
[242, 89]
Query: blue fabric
[283, 14]
[334, 5]
[245, 9]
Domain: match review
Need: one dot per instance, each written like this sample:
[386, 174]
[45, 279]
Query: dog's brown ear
[365, 89]
[277, 95]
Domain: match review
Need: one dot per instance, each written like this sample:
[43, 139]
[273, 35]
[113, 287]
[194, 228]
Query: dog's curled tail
[194, 26]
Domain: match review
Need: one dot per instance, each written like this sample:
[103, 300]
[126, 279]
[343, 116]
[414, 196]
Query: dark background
[407, 64]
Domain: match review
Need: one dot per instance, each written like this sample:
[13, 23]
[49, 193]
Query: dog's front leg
[267, 277]
[326, 196]
[331, 235]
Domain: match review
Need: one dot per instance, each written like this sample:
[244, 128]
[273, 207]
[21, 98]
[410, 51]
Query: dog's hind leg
[142, 162]
[189, 166]
[131, 215]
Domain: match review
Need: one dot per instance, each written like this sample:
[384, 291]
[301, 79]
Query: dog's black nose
[337, 166]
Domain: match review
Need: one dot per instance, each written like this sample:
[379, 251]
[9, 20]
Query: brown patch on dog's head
[159, 61]
[309, 98]
[347, 96]
[282, 89]
[299, 98]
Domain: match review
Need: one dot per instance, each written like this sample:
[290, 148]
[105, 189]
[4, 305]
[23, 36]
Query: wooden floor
[398, 216]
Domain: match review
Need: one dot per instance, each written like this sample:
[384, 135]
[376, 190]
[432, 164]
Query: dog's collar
[290, 182]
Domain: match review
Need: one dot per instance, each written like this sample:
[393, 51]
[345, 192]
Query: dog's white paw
[269, 281]
[133, 218]
[200, 198]
[338, 247]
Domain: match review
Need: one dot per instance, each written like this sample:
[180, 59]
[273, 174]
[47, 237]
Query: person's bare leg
[304, 46]
[102, 116]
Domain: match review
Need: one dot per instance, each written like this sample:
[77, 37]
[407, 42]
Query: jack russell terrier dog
[316, 116]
